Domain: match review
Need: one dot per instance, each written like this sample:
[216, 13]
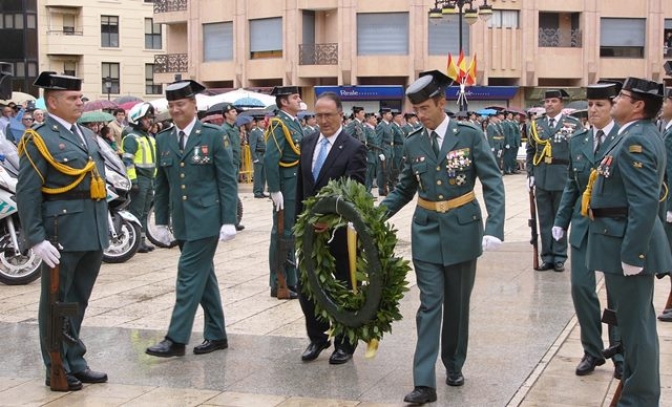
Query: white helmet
[139, 111]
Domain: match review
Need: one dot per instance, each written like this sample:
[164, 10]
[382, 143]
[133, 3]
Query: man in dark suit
[328, 154]
[196, 189]
[67, 227]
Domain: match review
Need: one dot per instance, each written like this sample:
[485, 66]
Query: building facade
[19, 41]
[110, 44]
[370, 50]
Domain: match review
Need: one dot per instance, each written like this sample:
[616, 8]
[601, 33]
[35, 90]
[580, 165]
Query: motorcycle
[17, 266]
[125, 229]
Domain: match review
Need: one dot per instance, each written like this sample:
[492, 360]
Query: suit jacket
[582, 160]
[347, 158]
[631, 177]
[454, 236]
[82, 223]
[551, 177]
[197, 189]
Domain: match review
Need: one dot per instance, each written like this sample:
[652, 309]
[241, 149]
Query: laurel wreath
[380, 276]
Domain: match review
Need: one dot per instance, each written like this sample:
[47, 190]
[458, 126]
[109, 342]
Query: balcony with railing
[64, 41]
[171, 63]
[559, 47]
[318, 60]
[557, 37]
[170, 11]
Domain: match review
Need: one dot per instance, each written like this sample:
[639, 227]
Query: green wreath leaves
[380, 276]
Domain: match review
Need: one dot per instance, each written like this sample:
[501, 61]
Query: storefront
[371, 98]
[480, 97]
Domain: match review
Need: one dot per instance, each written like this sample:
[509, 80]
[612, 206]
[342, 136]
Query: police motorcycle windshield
[111, 158]
[10, 153]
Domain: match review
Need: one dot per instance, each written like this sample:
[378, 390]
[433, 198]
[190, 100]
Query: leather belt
[67, 196]
[608, 212]
[556, 161]
[445, 206]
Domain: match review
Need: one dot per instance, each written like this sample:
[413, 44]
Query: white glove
[490, 243]
[47, 252]
[227, 232]
[508, 146]
[499, 154]
[558, 233]
[163, 234]
[492, 149]
[629, 270]
[668, 217]
[530, 183]
[255, 162]
[382, 157]
[278, 201]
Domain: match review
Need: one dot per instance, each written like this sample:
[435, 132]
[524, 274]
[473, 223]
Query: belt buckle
[548, 160]
[442, 206]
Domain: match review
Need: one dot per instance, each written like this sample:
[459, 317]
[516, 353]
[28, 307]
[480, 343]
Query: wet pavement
[524, 339]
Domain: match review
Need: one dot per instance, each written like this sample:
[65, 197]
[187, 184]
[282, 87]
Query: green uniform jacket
[398, 135]
[278, 150]
[582, 160]
[197, 189]
[553, 176]
[82, 223]
[495, 135]
[356, 129]
[668, 181]
[385, 136]
[631, 176]
[234, 136]
[455, 236]
[407, 129]
[371, 143]
[257, 144]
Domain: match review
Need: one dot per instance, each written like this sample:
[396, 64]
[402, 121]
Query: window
[152, 34]
[150, 87]
[266, 38]
[622, 37]
[504, 19]
[444, 37]
[382, 34]
[554, 34]
[110, 72]
[109, 31]
[218, 42]
[70, 68]
[31, 21]
[667, 41]
[68, 24]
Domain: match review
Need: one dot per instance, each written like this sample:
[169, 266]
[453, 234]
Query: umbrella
[486, 112]
[305, 113]
[536, 110]
[267, 111]
[129, 105]
[39, 104]
[95, 117]
[19, 98]
[248, 102]
[580, 113]
[578, 105]
[128, 98]
[497, 108]
[243, 119]
[235, 95]
[99, 105]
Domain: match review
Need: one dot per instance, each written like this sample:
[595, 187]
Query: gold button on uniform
[440, 196]
[182, 175]
[181, 164]
[184, 186]
[641, 256]
[438, 168]
[184, 197]
[438, 182]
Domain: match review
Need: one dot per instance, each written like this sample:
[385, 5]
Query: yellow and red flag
[451, 70]
[471, 72]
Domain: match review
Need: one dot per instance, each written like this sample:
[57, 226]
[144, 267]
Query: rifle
[282, 250]
[56, 325]
[532, 223]
[383, 164]
[609, 318]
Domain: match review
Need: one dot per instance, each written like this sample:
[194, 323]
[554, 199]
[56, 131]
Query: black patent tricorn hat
[183, 90]
[50, 80]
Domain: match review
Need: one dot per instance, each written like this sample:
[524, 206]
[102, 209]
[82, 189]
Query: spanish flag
[471, 72]
[451, 69]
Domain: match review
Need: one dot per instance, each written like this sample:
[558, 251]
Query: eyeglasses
[624, 95]
[28, 119]
[320, 116]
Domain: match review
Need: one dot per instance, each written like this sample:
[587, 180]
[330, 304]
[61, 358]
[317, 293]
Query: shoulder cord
[545, 152]
[275, 122]
[97, 183]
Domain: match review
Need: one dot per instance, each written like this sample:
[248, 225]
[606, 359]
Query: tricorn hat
[52, 81]
[556, 93]
[384, 110]
[284, 90]
[428, 85]
[183, 89]
[644, 87]
[603, 90]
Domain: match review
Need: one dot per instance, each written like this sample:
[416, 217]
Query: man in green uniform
[546, 165]
[356, 127]
[586, 150]
[411, 123]
[230, 113]
[139, 156]
[196, 188]
[495, 134]
[67, 228]
[666, 114]
[373, 150]
[283, 138]
[258, 149]
[511, 144]
[442, 164]
[310, 125]
[398, 147]
[626, 237]
[385, 141]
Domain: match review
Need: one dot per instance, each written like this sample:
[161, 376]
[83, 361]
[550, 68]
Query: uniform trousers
[548, 203]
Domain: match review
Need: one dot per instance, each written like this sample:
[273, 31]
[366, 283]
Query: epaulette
[213, 126]
[469, 125]
[414, 132]
[572, 118]
[166, 130]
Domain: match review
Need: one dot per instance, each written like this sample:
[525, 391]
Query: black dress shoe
[292, 294]
[89, 376]
[339, 357]
[618, 370]
[240, 228]
[588, 364]
[559, 266]
[421, 395]
[261, 196]
[313, 350]
[666, 316]
[545, 266]
[210, 346]
[166, 348]
[455, 379]
[74, 383]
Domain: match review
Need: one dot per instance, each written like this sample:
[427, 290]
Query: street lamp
[108, 86]
[448, 8]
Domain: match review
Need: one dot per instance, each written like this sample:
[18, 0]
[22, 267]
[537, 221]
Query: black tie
[551, 122]
[435, 144]
[598, 140]
[183, 140]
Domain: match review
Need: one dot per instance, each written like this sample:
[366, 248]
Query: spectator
[117, 126]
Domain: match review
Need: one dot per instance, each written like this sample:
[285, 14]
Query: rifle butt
[617, 395]
[668, 304]
[58, 380]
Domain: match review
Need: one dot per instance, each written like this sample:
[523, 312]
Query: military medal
[196, 159]
[206, 157]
